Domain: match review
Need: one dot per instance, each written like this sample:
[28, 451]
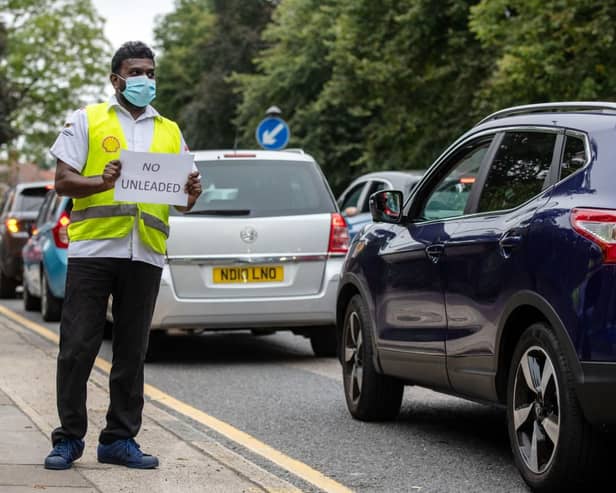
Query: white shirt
[71, 146]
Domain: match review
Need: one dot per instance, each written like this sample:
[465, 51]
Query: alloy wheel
[536, 409]
[353, 357]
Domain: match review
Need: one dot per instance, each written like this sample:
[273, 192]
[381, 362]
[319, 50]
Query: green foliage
[57, 60]
[361, 82]
[546, 50]
[203, 42]
[6, 100]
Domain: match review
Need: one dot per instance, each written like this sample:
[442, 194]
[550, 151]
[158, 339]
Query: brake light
[467, 180]
[338, 235]
[12, 225]
[599, 226]
[239, 154]
[60, 231]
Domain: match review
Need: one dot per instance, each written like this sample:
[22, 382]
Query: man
[115, 248]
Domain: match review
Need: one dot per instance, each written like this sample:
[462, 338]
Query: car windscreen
[30, 199]
[262, 188]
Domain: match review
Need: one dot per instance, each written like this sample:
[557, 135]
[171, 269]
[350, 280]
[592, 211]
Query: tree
[203, 42]
[56, 61]
[292, 73]
[6, 102]
[368, 85]
[546, 50]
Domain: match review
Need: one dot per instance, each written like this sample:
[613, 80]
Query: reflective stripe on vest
[99, 216]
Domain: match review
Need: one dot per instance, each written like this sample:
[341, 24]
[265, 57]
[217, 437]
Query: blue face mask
[140, 90]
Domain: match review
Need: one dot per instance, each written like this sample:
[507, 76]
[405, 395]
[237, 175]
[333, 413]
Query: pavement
[190, 460]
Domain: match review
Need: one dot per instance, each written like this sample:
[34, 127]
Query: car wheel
[31, 302]
[552, 443]
[370, 396]
[51, 307]
[323, 342]
[7, 286]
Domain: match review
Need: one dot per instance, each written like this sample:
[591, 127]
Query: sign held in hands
[153, 178]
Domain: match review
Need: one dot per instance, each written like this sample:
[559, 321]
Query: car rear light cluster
[599, 226]
[60, 231]
[338, 235]
[12, 225]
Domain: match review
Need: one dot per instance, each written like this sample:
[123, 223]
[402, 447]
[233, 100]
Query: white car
[262, 249]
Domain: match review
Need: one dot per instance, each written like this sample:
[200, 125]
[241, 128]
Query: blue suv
[496, 281]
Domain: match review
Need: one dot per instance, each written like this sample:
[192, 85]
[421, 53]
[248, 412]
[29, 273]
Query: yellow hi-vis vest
[98, 216]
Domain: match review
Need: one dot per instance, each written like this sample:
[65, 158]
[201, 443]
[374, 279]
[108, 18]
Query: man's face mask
[140, 90]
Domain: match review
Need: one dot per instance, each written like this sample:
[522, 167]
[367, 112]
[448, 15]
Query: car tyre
[8, 286]
[553, 445]
[51, 306]
[323, 342]
[31, 303]
[370, 396]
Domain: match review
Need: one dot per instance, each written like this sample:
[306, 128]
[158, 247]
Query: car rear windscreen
[30, 199]
[262, 188]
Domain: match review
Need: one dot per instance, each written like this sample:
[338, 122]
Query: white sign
[153, 178]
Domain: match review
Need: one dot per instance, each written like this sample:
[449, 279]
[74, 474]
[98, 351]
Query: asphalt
[190, 461]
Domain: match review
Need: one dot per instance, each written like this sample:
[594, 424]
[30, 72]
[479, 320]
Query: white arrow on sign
[269, 137]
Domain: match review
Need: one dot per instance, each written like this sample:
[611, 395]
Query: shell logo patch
[111, 144]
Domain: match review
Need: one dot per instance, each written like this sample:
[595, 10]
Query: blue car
[45, 258]
[496, 281]
[353, 201]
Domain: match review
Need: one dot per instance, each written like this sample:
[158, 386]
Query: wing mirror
[350, 211]
[386, 206]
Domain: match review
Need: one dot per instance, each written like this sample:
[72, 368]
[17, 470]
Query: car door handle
[435, 251]
[508, 244]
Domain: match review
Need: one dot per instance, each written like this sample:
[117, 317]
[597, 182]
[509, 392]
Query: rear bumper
[245, 313]
[596, 391]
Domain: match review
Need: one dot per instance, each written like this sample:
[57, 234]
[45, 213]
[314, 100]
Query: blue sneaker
[126, 453]
[64, 453]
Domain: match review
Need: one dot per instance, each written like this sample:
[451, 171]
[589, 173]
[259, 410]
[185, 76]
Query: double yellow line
[287, 463]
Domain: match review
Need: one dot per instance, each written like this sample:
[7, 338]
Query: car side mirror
[386, 206]
[350, 211]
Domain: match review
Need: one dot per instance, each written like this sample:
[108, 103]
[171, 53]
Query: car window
[574, 156]
[518, 171]
[44, 210]
[262, 188]
[8, 203]
[351, 199]
[30, 199]
[451, 194]
[375, 186]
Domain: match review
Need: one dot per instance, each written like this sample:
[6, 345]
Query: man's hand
[111, 173]
[193, 189]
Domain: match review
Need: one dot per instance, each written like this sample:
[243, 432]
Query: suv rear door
[260, 229]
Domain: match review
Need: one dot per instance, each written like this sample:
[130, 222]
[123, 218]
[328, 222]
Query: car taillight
[60, 231]
[12, 225]
[338, 235]
[599, 226]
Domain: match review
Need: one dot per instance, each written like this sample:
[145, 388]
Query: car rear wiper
[220, 212]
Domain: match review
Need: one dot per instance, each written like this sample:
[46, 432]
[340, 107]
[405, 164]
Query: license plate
[252, 273]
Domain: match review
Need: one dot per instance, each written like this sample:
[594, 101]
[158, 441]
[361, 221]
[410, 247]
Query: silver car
[262, 249]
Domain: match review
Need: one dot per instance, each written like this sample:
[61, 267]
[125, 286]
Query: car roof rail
[297, 150]
[590, 106]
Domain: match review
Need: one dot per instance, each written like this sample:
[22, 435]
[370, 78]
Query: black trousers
[90, 281]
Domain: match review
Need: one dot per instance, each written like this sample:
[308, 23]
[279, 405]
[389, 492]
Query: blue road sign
[273, 133]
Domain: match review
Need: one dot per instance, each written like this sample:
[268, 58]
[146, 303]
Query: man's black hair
[130, 49]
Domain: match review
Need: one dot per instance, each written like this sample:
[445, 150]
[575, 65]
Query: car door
[411, 313]
[485, 255]
[32, 251]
